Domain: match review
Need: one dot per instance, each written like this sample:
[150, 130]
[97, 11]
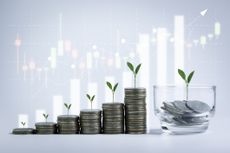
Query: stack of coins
[68, 124]
[113, 118]
[135, 110]
[90, 121]
[23, 131]
[46, 128]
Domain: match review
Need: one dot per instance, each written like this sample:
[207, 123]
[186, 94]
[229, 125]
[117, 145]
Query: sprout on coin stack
[23, 124]
[188, 115]
[46, 127]
[135, 105]
[67, 106]
[45, 116]
[134, 71]
[91, 100]
[90, 119]
[113, 114]
[68, 124]
[23, 130]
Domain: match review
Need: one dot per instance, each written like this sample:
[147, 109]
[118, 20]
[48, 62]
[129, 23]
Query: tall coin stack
[46, 128]
[113, 118]
[90, 121]
[68, 124]
[135, 110]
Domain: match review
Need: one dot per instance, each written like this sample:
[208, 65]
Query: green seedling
[45, 116]
[67, 106]
[90, 100]
[186, 79]
[23, 124]
[112, 88]
[135, 72]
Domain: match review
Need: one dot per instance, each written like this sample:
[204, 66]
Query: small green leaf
[137, 69]
[130, 66]
[115, 87]
[69, 106]
[109, 85]
[93, 98]
[182, 74]
[46, 115]
[190, 77]
[88, 96]
[66, 105]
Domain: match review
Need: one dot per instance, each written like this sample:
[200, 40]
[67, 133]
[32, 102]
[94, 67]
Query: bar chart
[161, 50]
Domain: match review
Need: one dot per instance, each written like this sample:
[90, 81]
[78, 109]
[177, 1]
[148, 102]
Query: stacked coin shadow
[68, 124]
[135, 110]
[23, 131]
[90, 121]
[113, 118]
[46, 128]
[185, 113]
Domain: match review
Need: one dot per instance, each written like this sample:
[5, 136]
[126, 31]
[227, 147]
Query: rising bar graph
[57, 106]
[108, 60]
[23, 118]
[39, 115]
[161, 58]
[75, 90]
[178, 46]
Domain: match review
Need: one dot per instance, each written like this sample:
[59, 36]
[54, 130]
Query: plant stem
[113, 97]
[67, 111]
[186, 92]
[91, 105]
[135, 77]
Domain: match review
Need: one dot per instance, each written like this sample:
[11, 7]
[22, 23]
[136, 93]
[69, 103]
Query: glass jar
[184, 110]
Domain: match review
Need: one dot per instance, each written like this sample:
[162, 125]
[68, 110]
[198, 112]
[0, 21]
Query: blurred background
[55, 51]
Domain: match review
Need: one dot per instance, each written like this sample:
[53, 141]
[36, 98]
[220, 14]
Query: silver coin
[134, 102]
[111, 113]
[68, 127]
[198, 106]
[113, 123]
[181, 105]
[135, 107]
[172, 109]
[90, 111]
[45, 125]
[136, 132]
[68, 118]
[44, 131]
[112, 105]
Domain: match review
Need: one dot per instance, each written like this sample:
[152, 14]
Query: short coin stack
[135, 110]
[113, 118]
[46, 128]
[90, 121]
[23, 131]
[68, 124]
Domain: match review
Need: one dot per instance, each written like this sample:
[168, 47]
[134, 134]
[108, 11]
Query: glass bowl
[184, 110]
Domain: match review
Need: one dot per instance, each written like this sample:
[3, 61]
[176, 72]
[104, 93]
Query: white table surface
[216, 139]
